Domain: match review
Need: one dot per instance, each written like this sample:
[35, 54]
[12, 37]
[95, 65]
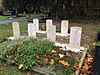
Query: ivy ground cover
[28, 53]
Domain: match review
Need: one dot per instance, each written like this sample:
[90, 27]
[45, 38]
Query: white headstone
[64, 27]
[31, 30]
[36, 22]
[48, 24]
[75, 37]
[16, 30]
[51, 33]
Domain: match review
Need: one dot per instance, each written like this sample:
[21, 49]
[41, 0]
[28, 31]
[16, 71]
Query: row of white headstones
[33, 28]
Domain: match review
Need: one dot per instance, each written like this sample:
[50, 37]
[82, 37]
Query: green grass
[6, 29]
[9, 70]
[3, 18]
[6, 69]
[21, 15]
[95, 29]
[98, 44]
[27, 15]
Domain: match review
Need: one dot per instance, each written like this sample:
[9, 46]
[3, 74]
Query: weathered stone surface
[36, 22]
[64, 27]
[75, 37]
[51, 33]
[31, 30]
[16, 30]
[48, 24]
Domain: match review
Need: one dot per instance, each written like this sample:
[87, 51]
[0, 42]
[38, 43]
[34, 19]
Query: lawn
[9, 70]
[27, 15]
[88, 38]
[2, 18]
[6, 69]
[6, 29]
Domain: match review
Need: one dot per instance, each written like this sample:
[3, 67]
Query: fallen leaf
[56, 54]
[77, 59]
[13, 58]
[51, 62]
[15, 51]
[54, 51]
[76, 67]
[45, 60]
[37, 57]
[68, 55]
[20, 66]
[61, 55]
[90, 60]
[47, 51]
[27, 73]
[20, 43]
[90, 56]
[57, 58]
[64, 63]
[85, 69]
[86, 66]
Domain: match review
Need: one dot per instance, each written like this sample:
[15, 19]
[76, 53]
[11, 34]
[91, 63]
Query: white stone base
[60, 44]
[42, 32]
[59, 34]
[13, 38]
[67, 47]
[73, 49]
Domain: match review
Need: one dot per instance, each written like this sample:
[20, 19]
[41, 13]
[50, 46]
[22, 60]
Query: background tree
[63, 9]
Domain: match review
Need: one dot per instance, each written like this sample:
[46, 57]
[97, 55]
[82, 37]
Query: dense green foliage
[24, 50]
[29, 52]
[59, 8]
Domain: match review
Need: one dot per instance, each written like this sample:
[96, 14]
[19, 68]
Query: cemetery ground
[89, 34]
[3, 17]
